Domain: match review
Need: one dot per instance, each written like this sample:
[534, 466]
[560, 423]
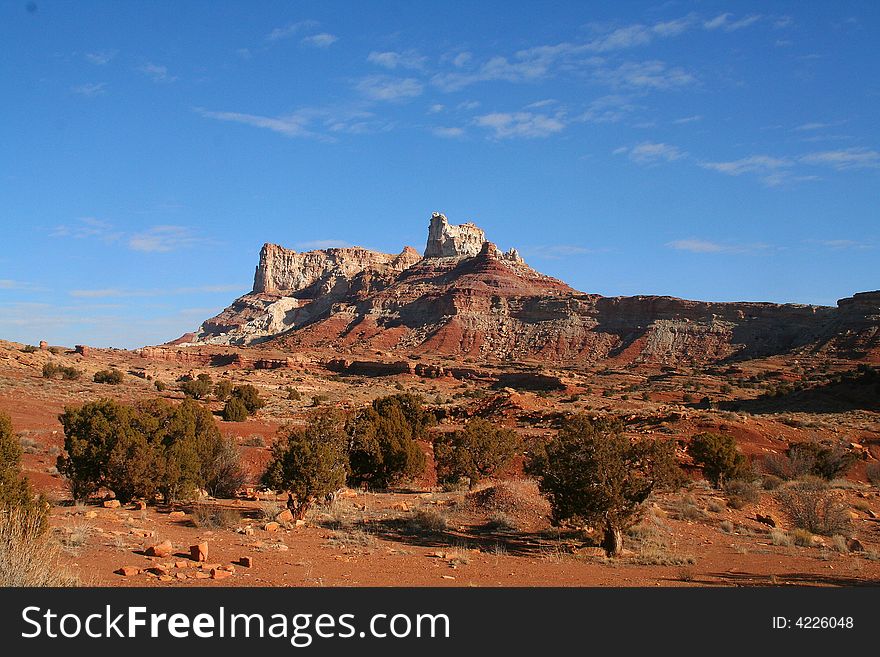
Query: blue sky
[707, 150]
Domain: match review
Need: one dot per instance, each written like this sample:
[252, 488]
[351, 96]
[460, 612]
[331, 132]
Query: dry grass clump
[29, 556]
[812, 507]
[427, 521]
[214, 517]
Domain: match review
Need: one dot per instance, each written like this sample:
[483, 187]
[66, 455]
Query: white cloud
[724, 22]
[391, 60]
[386, 88]
[651, 153]
[760, 164]
[323, 244]
[292, 125]
[157, 73]
[90, 89]
[322, 40]
[849, 158]
[645, 75]
[505, 125]
[9, 284]
[812, 126]
[290, 30]
[114, 292]
[462, 59]
[164, 239]
[436, 108]
[447, 133]
[87, 228]
[695, 245]
[100, 58]
[688, 119]
[607, 109]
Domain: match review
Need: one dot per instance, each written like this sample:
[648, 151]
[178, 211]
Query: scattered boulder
[855, 545]
[284, 516]
[112, 504]
[177, 515]
[128, 571]
[217, 573]
[199, 552]
[272, 527]
[247, 562]
[162, 550]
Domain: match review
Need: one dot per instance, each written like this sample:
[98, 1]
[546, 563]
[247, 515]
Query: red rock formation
[458, 301]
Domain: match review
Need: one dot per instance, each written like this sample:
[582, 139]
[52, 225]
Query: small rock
[855, 545]
[217, 573]
[272, 527]
[199, 552]
[247, 562]
[300, 523]
[129, 571]
[766, 520]
[165, 578]
[91, 514]
[284, 516]
[112, 504]
[447, 576]
[181, 575]
[176, 515]
[162, 550]
[201, 575]
[181, 564]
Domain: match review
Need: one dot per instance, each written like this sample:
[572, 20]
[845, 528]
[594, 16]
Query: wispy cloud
[321, 40]
[559, 251]
[9, 284]
[323, 244]
[90, 89]
[725, 22]
[648, 153]
[695, 245]
[843, 244]
[291, 125]
[308, 122]
[290, 30]
[113, 292]
[608, 109]
[157, 73]
[688, 119]
[648, 75]
[447, 132]
[164, 239]
[409, 59]
[849, 158]
[87, 228]
[505, 125]
[100, 58]
[387, 88]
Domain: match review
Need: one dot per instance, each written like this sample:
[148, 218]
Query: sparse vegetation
[223, 389]
[812, 507]
[197, 388]
[54, 370]
[234, 410]
[110, 377]
[740, 493]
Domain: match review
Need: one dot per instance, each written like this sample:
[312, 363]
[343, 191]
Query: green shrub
[53, 370]
[197, 388]
[293, 394]
[810, 458]
[719, 457]
[160, 386]
[15, 490]
[383, 450]
[234, 410]
[29, 349]
[223, 389]
[475, 452]
[138, 451]
[311, 462]
[112, 377]
[594, 474]
[250, 397]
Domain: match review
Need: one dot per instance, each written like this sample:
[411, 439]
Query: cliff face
[466, 298]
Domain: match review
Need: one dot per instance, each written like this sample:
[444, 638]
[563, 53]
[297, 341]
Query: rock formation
[465, 298]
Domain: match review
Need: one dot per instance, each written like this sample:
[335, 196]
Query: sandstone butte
[464, 298]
